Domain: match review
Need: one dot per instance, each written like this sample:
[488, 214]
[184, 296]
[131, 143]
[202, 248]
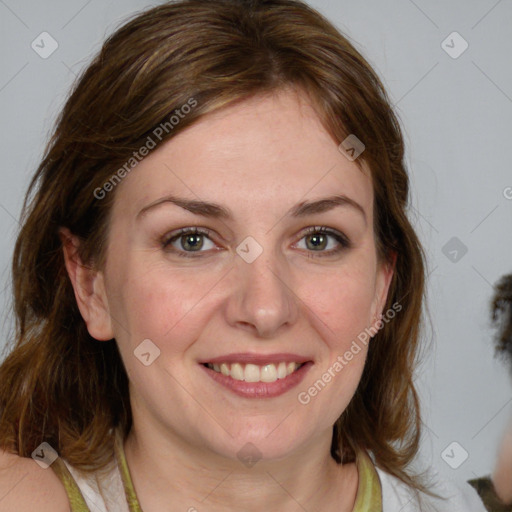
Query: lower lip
[260, 389]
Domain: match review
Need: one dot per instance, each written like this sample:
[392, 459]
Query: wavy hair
[57, 383]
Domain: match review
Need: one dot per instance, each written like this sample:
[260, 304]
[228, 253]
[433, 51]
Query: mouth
[269, 372]
[255, 376]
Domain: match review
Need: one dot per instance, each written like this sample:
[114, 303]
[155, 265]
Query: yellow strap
[369, 491]
[131, 497]
[75, 496]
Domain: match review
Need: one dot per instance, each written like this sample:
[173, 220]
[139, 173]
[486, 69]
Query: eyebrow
[217, 211]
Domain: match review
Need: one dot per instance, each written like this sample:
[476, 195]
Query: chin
[261, 442]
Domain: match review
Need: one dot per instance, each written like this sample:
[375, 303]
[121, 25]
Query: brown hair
[60, 385]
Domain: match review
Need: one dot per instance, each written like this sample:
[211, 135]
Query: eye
[319, 238]
[188, 240]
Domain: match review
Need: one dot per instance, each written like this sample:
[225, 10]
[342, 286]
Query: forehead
[268, 152]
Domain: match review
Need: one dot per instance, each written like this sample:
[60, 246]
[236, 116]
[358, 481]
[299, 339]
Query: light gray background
[457, 118]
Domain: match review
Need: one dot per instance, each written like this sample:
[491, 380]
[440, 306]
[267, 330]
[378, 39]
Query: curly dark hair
[501, 312]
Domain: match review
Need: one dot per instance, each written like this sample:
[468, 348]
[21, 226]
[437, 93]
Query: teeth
[281, 371]
[237, 372]
[251, 373]
[254, 373]
[269, 373]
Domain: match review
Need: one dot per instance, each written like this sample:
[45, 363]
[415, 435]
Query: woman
[496, 491]
[217, 289]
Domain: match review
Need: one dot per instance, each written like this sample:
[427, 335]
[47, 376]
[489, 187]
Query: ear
[383, 279]
[89, 287]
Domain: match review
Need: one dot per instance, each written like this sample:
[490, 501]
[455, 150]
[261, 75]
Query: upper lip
[247, 357]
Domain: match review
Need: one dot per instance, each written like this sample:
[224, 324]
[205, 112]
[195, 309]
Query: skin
[502, 475]
[258, 158]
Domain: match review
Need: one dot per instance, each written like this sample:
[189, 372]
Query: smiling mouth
[255, 373]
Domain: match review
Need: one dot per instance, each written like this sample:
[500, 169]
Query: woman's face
[256, 289]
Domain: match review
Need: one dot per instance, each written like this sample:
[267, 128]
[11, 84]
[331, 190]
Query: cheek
[343, 301]
[162, 306]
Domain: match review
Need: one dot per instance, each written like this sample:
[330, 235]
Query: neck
[169, 472]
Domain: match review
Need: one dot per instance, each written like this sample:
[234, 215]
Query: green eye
[189, 240]
[317, 240]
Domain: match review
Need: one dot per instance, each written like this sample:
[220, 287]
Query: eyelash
[314, 230]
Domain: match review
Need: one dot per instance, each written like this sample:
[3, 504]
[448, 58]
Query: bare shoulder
[25, 486]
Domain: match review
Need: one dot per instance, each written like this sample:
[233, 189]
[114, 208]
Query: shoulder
[455, 497]
[25, 486]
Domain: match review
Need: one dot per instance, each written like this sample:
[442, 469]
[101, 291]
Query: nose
[263, 300]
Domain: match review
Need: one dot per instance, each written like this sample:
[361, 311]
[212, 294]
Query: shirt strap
[369, 489]
[76, 499]
[131, 497]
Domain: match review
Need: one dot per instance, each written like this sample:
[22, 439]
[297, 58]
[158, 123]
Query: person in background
[496, 490]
